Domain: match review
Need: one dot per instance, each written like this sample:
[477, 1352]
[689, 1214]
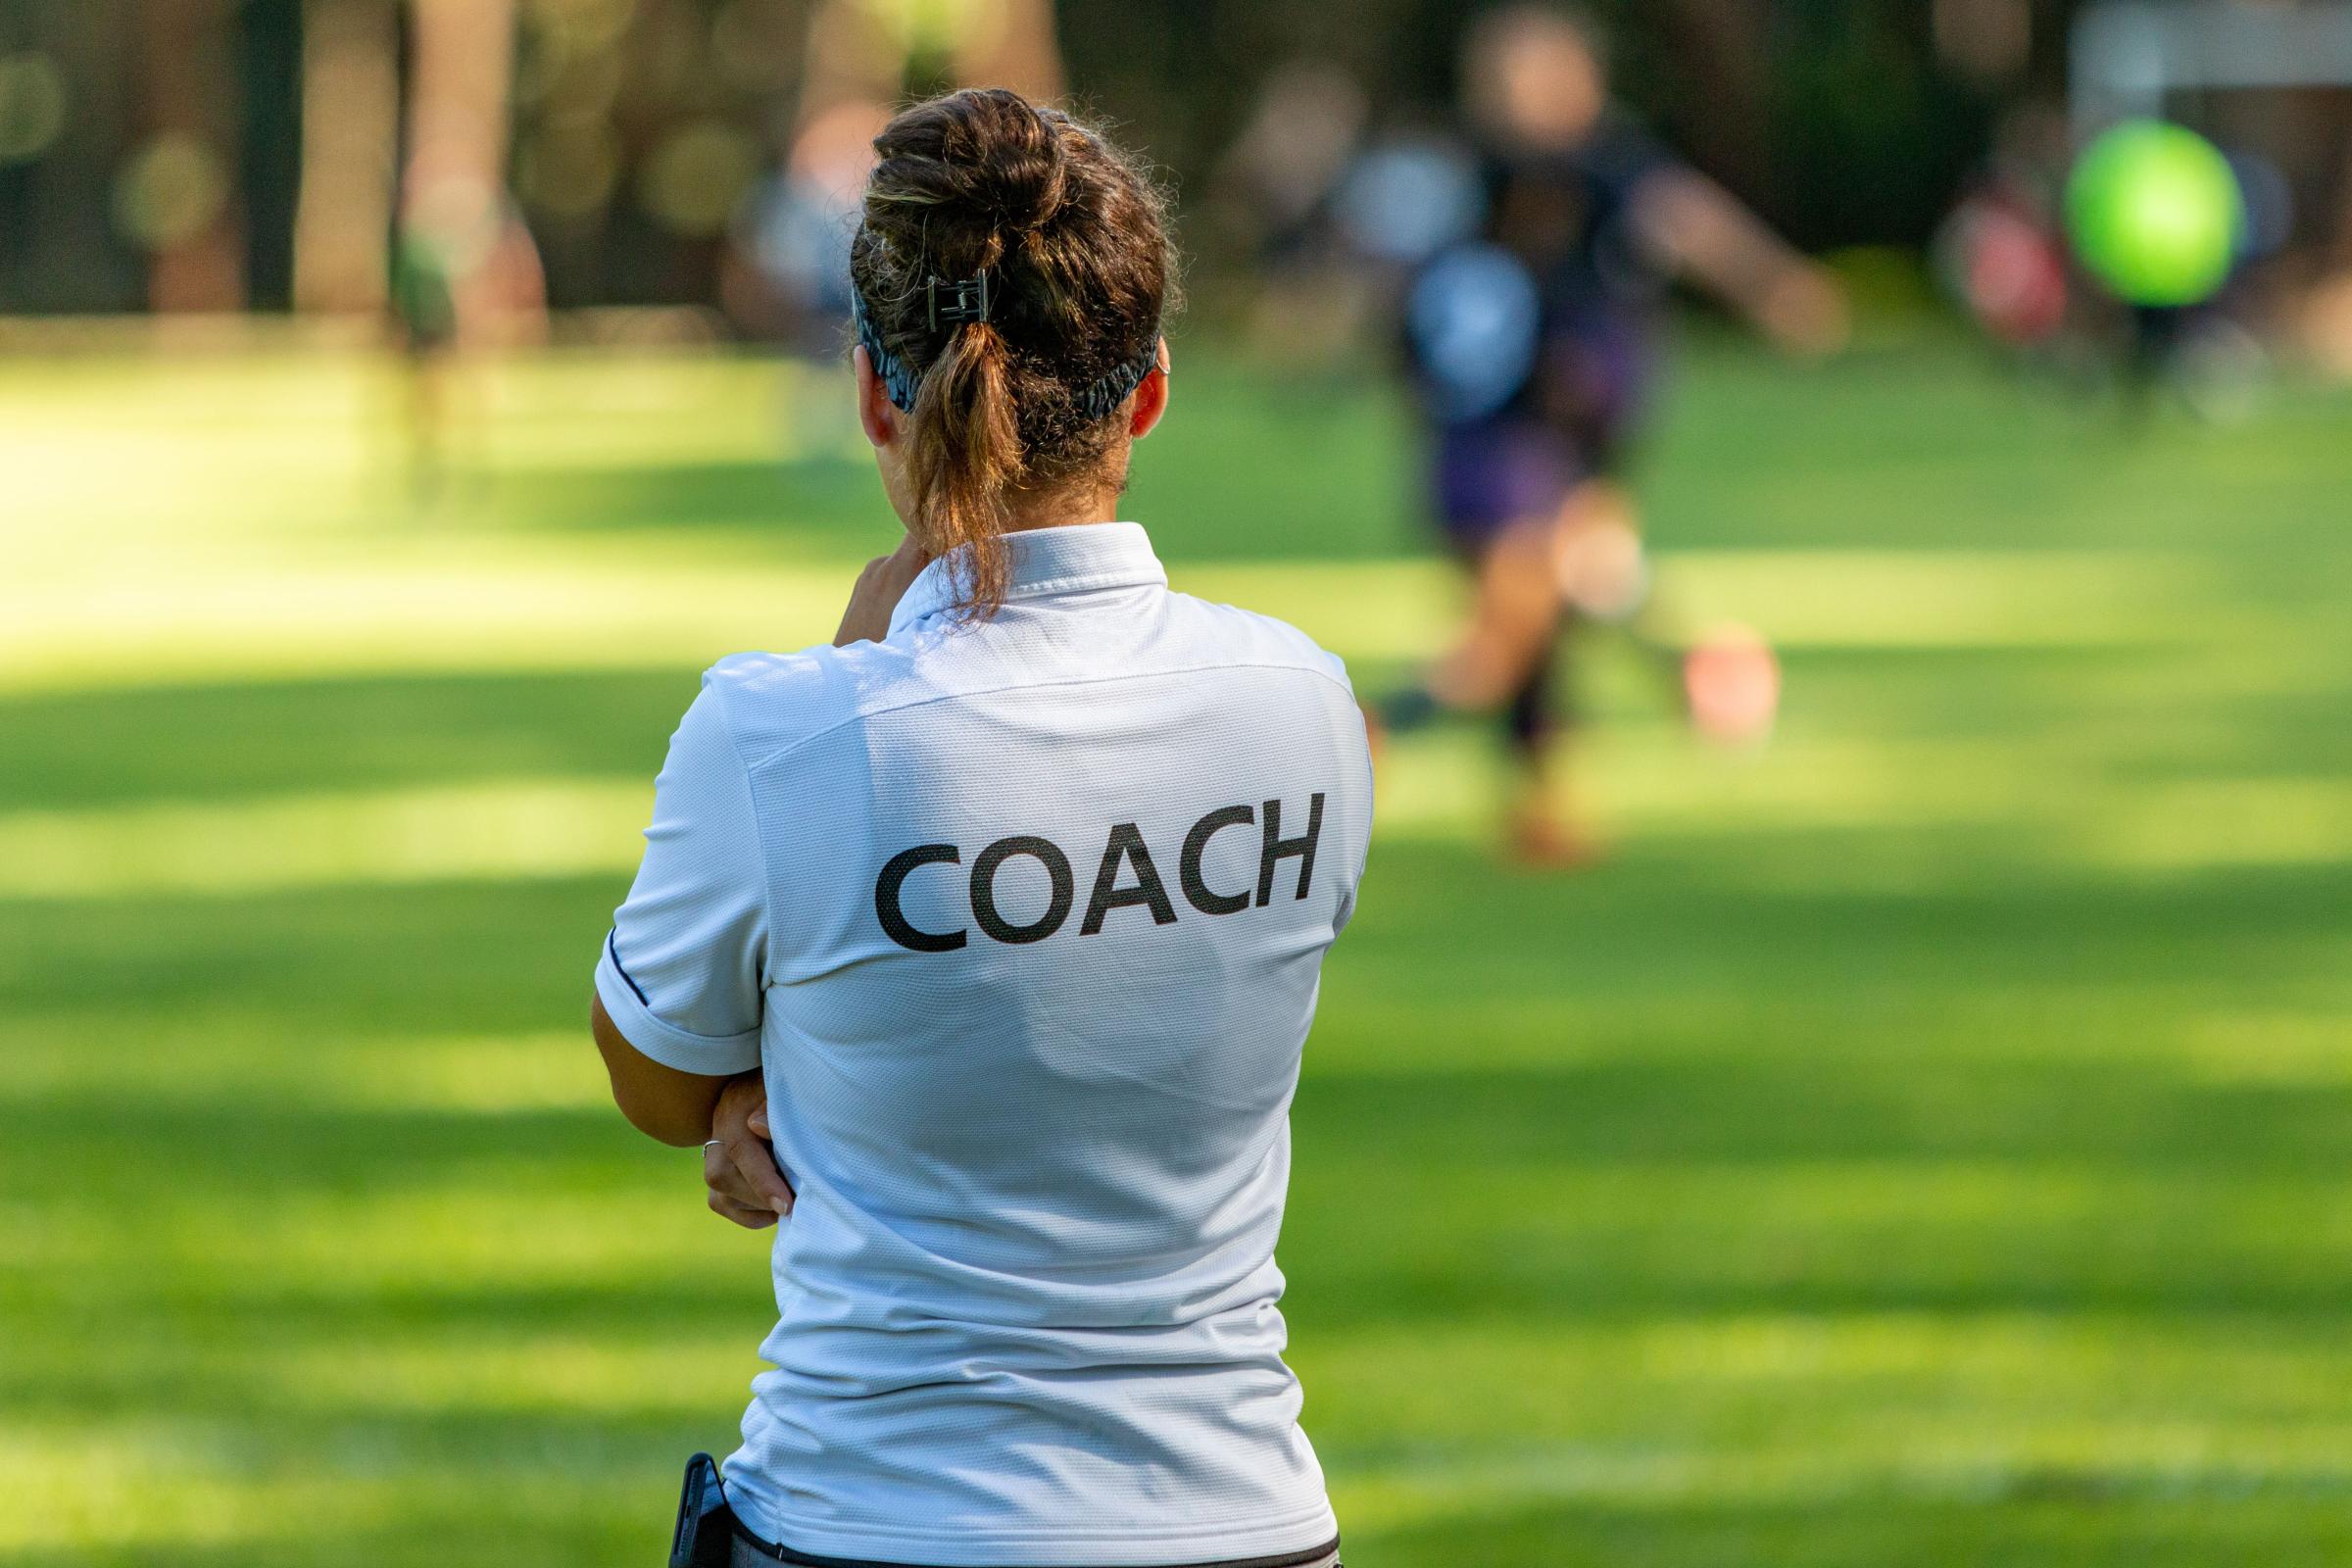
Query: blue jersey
[1547, 312]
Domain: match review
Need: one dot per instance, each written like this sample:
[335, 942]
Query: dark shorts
[1492, 473]
[1489, 476]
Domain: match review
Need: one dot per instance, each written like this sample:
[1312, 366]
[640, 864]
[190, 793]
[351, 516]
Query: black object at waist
[753, 1553]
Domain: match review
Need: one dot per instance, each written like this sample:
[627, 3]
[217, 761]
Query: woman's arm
[728, 1117]
[659, 1101]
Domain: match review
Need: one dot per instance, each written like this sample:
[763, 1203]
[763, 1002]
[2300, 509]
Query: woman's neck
[1062, 508]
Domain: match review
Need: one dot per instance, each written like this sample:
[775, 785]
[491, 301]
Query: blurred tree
[1871, 139]
[633, 130]
[268, 169]
[350, 59]
[1721, 90]
[59, 247]
[175, 198]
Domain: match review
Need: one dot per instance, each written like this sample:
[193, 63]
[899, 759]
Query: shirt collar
[1042, 562]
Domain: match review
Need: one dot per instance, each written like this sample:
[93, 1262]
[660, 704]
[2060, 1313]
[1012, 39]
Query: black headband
[952, 302]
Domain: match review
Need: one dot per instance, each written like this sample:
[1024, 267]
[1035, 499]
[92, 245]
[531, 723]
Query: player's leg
[1515, 615]
[1726, 680]
[1497, 488]
[1537, 727]
[1504, 663]
[1581, 555]
[1605, 576]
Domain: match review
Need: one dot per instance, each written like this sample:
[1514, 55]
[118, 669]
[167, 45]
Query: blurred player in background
[464, 274]
[1533, 346]
[785, 271]
[459, 281]
[2001, 251]
[1271, 199]
[2157, 217]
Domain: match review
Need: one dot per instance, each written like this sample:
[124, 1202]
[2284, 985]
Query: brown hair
[1071, 240]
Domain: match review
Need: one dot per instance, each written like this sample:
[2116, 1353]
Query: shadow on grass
[2083, 1531]
[80, 750]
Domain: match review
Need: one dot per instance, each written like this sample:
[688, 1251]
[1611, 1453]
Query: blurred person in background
[2012, 258]
[464, 273]
[784, 269]
[787, 272]
[1534, 347]
[985, 942]
[2001, 253]
[2158, 222]
[464, 276]
[1272, 195]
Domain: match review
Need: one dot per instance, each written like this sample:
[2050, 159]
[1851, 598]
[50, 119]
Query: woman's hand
[880, 587]
[738, 1164]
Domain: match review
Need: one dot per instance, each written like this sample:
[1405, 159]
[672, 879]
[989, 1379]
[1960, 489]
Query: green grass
[1921, 1143]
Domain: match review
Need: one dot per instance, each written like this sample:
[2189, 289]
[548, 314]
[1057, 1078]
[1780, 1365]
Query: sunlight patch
[2273, 1049]
[676, 1373]
[211, 609]
[500, 830]
[2252, 822]
[1940, 598]
[168, 1487]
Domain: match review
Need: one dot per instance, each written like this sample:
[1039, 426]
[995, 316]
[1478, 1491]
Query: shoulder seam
[786, 750]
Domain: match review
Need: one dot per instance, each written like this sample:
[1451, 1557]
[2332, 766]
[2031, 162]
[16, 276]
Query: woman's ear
[875, 411]
[1152, 396]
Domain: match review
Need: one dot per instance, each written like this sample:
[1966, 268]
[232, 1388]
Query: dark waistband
[1326, 1556]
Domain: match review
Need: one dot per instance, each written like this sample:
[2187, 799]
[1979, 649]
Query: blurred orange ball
[1732, 684]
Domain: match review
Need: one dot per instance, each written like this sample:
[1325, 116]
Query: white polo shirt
[1024, 921]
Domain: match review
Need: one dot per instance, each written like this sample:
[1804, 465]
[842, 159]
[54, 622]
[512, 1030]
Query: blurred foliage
[1838, 119]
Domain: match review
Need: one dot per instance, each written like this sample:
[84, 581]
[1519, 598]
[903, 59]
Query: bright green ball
[2155, 212]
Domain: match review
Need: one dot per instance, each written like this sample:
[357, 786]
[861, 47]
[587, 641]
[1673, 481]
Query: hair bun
[1015, 167]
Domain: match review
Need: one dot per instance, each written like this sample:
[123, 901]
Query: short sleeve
[682, 971]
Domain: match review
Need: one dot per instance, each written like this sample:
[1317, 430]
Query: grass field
[1922, 1142]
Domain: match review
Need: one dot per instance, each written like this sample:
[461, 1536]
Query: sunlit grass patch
[65, 1056]
[2245, 821]
[2263, 1046]
[503, 829]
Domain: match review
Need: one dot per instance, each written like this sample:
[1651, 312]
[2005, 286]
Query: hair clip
[967, 300]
